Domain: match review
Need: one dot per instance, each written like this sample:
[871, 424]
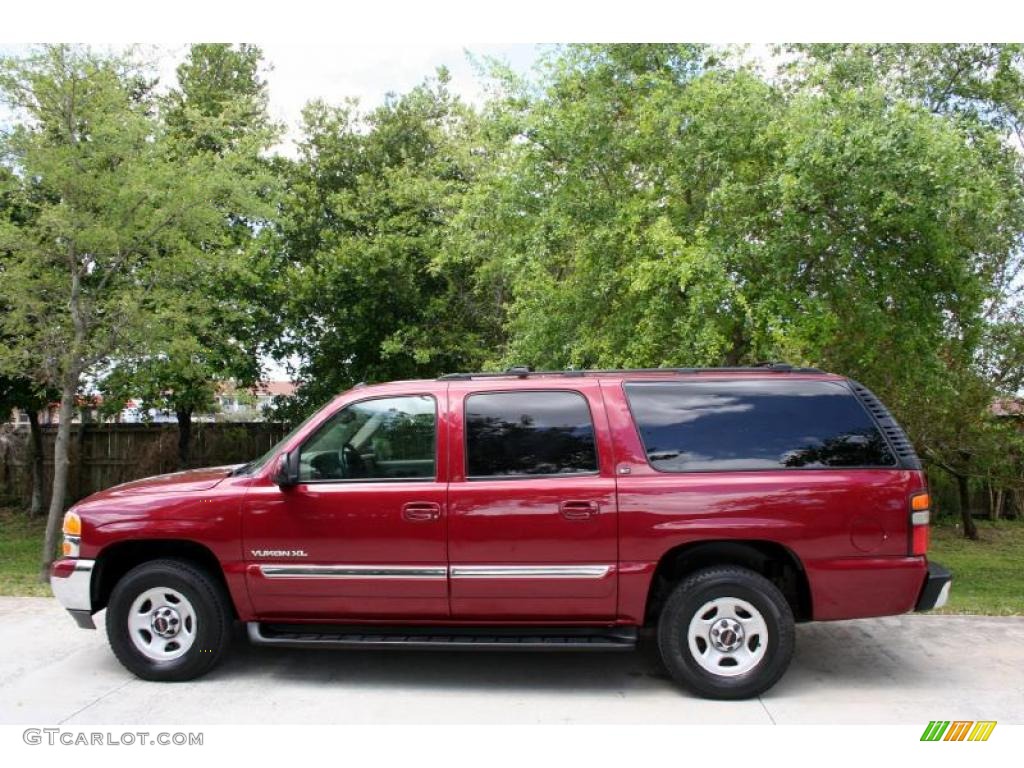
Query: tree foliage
[117, 215]
[362, 292]
[863, 213]
[968, 352]
[217, 114]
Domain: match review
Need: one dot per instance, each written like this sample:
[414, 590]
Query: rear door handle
[418, 511]
[579, 510]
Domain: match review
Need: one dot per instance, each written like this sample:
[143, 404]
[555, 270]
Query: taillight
[920, 517]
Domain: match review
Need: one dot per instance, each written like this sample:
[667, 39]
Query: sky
[299, 73]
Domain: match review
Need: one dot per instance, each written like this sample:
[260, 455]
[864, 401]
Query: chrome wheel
[162, 624]
[727, 636]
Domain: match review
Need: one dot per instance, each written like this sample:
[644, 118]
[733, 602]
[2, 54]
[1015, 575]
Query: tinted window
[529, 433]
[391, 438]
[739, 425]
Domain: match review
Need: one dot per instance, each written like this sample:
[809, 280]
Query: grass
[21, 541]
[988, 574]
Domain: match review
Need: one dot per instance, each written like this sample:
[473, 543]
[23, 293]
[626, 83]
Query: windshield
[256, 465]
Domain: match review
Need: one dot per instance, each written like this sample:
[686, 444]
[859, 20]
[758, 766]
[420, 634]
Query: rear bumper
[935, 592]
[71, 582]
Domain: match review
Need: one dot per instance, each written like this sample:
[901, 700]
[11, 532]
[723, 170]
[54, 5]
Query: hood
[189, 480]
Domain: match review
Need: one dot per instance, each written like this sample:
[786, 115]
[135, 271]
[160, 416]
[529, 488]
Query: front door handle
[418, 511]
[579, 510]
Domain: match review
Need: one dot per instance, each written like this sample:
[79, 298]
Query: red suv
[526, 510]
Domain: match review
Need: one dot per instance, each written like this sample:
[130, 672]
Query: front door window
[390, 438]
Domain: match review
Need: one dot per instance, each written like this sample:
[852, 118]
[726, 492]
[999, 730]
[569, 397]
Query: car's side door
[362, 535]
[532, 507]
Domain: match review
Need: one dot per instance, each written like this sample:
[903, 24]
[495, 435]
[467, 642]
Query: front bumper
[935, 592]
[71, 582]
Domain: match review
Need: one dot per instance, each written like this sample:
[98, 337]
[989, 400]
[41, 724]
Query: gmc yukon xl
[563, 510]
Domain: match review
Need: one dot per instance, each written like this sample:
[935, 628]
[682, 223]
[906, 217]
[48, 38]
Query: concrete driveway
[907, 670]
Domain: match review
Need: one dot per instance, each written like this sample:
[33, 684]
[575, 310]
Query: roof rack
[524, 371]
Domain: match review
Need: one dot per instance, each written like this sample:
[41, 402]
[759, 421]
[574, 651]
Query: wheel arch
[117, 559]
[775, 561]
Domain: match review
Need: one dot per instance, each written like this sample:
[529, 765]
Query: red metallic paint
[848, 528]
[857, 587]
[813, 513]
[350, 523]
[63, 568]
[518, 521]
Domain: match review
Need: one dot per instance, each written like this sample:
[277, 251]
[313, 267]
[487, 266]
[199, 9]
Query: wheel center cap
[165, 621]
[726, 635]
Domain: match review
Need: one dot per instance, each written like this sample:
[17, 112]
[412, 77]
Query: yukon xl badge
[278, 553]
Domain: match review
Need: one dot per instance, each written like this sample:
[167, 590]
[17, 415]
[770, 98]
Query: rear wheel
[168, 620]
[726, 633]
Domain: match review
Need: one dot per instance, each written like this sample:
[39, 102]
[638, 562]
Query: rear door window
[743, 425]
[529, 433]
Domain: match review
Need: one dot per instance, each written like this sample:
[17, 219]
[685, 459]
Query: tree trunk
[79, 465]
[184, 436]
[970, 530]
[740, 345]
[35, 507]
[61, 448]
[5, 462]
[70, 380]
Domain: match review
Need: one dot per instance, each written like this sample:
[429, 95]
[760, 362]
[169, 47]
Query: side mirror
[287, 473]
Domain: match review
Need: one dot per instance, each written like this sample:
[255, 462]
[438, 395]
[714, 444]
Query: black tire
[212, 615]
[690, 596]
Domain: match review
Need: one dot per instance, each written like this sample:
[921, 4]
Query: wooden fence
[103, 455]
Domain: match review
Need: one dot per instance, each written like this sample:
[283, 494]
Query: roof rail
[524, 371]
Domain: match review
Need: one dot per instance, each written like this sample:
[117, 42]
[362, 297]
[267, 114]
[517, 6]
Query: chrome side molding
[353, 572]
[529, 571]
[439, 572]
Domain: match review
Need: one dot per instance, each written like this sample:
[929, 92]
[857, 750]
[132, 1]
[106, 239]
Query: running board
[443, 638]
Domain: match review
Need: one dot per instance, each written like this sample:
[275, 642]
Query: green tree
[657, 207]
[603, 226]
[358, 257]
[966, 250]
[178, 381]
[19, 391]
[981, 82]
[22, 393]
[118, 216]
[217, 113]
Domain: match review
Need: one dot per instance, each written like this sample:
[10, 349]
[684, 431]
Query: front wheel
[726, 633]
[167, 620]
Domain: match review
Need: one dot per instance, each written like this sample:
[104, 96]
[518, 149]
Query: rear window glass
[738, 425]
[529, 433]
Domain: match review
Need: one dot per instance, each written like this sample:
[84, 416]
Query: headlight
[72, 534]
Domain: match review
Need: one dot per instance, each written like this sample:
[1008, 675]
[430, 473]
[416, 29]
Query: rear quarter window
[756, 424]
